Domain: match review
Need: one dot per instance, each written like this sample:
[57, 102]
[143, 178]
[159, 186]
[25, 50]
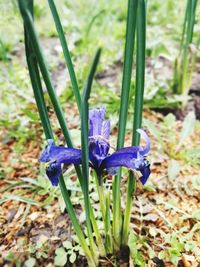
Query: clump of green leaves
[67, 253]
[174, 144]
[184, 63]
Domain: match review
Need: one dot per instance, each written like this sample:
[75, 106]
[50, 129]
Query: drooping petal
[145, 150]
[131, 158]
[133, 161]
[53, 171]
[96, 117]
[123, 158]
[145, 171]
[60, 154]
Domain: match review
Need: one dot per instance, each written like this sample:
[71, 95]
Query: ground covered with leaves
[34, 227]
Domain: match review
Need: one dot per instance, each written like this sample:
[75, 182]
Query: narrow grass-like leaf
[85, 146]
[26, 11]
[140, 71]
[66, 53]
[185, 61]
[138, 106]
[126, 83]
[35, 81]
[21, 199]
[28, 21]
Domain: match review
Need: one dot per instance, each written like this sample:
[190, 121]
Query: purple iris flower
[99, 131]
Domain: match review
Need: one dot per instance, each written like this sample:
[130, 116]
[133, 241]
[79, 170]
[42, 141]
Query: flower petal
[60, 154]
[96, 117]
[53, 171]
[123, 158]
[105, 131]
[145, 171]
[145, 150]
[98, 150]
[131, 158]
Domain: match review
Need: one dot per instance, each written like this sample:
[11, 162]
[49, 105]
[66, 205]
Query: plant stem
[66, 53]
[138, 106]
[105, 211]
[108, 232]
[126, 83]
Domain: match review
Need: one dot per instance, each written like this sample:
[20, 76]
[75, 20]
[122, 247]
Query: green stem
[66, 53]
[126, 83]
[100, 191]
[108, 231]
[99, 241]
[105, 211]
[129, 201]
[138, 106]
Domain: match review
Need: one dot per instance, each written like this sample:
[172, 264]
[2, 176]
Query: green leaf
[72, 257]
[30, 262]
[61, 257]
[154, 131]
[22, 199]
[10, 256]
[60, 261]
[161, 254]
[136, 255]
[31, 114]
[169, 120]
[188, 128]
[60, 251]
[67, 244]
[173, 169]
[190, 245]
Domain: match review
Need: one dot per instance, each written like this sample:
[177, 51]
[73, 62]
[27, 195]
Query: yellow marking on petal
[46, 164]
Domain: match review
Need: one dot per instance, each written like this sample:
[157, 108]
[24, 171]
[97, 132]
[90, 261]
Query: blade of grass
[126, 83]
[138, 106]
[66, 53]
[85, 147]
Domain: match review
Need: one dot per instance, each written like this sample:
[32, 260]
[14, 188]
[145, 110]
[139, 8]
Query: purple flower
[99, 131]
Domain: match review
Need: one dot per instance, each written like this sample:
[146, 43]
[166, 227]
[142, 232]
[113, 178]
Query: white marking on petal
[146, 149]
